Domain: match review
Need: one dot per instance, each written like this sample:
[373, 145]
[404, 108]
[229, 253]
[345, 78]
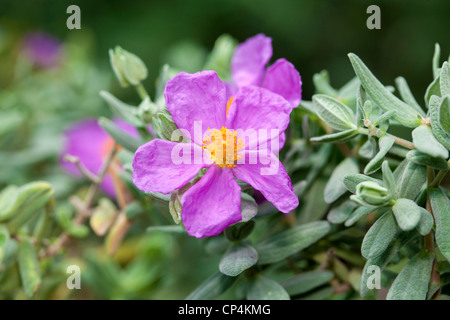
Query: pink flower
[214, 202]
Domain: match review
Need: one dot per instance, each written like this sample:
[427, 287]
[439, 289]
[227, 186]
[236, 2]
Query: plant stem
[141, 91]
[401, 142]
[83, 208]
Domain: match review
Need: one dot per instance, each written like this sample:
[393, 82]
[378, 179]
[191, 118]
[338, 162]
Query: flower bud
[129, 68]
[372, 193]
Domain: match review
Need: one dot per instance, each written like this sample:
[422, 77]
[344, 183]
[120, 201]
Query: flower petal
[198, 97]
[212, 204]
[257, 110]
[249, 61]
[284, 79]
[159, 166]
[269, 177]
[85, 140]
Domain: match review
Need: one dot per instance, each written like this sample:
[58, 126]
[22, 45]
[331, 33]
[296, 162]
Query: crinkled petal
[249, 61]
[163, 166]
[198, 97]
[212, 204]
[284, 79]
[257, 111]
[268, 176]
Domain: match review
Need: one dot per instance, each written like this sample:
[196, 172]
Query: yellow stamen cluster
[223, 146]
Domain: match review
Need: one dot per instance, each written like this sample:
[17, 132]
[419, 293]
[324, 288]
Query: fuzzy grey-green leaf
[404, 113]
[407, 213]
[335, 186]
[306, 281]
[379, 236]
[425, 142]
[440, 205]
[293, 240]
[212, 287]
[341, 213]
[426, 160]
[385, 143]
[412, 282]
[240, 257]
[262, 288]
[334, 113]
[351, 181]
[336, 137]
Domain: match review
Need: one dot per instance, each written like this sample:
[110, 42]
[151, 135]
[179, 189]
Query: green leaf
[12, 198]
[444, 79]
[359, 213]
[239, 258]
[168, 229]
[412, 282]
[440, 205]
[407, 96]
[385, 143]
[382, 260]
[432, 90]
[219, 59]
[436, 59]
[335, 186]
[240, 230]
[28, 267]
[426, 160]
[404, 113]
[322, 84]
[425, 142]
[407, 213]
[334, 113]
[4, 239]
[122, 110]
[410, 180]
[122, 138]
[388, 178]
[336, 137]
[351, 181]
[306, 281]
[249, 207]
[369, 149]
[27, 211]
[262, 288]
[212, 288]
[426, 222]
[444, 114]
[291, 241]
[341, 213]
[379, 236]
[64, 219]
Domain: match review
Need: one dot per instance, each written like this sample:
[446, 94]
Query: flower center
[223, 146]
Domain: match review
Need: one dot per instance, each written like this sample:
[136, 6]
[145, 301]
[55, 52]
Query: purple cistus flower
[88, 141]
[42, 49]
[198, 103]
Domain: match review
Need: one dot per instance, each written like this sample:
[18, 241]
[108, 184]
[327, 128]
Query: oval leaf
[335, 186]
[306, 281]
[407, 213]
[425, 142]
[334, 113]
[379, 236]
[440, 205]
[263, 288]
[412, 282]
[291, 241]
[28, 267]
[212, 288]
[239, 258]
